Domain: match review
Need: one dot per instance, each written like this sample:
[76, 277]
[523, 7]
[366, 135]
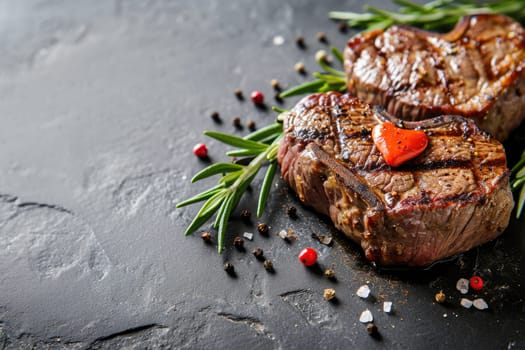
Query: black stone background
[101, 103]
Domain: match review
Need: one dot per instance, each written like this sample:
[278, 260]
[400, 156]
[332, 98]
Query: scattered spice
[329, 273]
[245, 215]
[238, 94]
[476, 283]
[387, 307]
[216, 117]
[321, 36]
[322, 56]
[248, 235]
[462, 285]
[308, 256]
[440, 297]
[366, 317]
[275, 84]
[268, 265]
[263, 228]
[300, 42]
[323, 239]
[342, 26]
[300, 68]
[292, 212]
[251, 125]
[363, 291]
[258, 253]
[371, 328]
[206, 236]
[480, 304]
[466, 303]
[238, 243]
[228, 267]
[257, 97]
[236, 121]
[200, 150]
[329, 294]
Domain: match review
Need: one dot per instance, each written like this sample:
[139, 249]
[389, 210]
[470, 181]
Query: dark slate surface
[101, 103]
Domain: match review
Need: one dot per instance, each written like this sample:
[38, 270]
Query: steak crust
[452, 197]
[477, 70]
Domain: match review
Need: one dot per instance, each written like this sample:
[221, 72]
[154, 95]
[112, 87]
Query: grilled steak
[452, 197]
[477, 70]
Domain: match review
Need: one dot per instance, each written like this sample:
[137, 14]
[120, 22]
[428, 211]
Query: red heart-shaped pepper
[398, 145]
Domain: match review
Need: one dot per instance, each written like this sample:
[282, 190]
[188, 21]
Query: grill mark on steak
[452, 197]
[348, 178]
[474, 71]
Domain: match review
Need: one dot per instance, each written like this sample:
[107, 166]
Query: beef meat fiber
[477, 70]
[452, 197]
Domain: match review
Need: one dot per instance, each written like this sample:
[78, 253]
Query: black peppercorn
[275, 84]
[321, 36]
[236, 121]
[263, 228]
[246, 214]
[228, 267]
[258, 253]
[342, 26]
[300, 42]
[292, 212]
[268, 265]
[238, 243]
[216, 117]
[238, 94]
[251, 125]
[371, 328]
[300, 68]
[206, 236]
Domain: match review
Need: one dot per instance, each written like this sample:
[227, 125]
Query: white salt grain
[363, 291]
[480, 304]
[248, 235]
[387, 307]
[366, 317]
[462, 285]
[283, 234]
[466, 303]
[278, 40]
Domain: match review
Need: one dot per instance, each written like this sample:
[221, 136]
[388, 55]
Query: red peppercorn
[200, 150]
[476, 282]
[308, 256]
[257, 97]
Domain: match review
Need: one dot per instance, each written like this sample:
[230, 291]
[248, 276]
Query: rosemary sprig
[221, 199]
[440, 14]
[518, 181]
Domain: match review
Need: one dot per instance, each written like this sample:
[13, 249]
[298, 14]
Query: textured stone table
[101, 103]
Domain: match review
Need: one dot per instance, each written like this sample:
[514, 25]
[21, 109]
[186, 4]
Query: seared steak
[452, 197]
[477, 70]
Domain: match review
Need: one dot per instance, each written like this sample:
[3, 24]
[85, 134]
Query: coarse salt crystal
[363, 291]
[462, 285]
[366, 317]
[480, 304]
[466, 303]
[248, 235]
[278, 40]
[387, 307]
[283, 234]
